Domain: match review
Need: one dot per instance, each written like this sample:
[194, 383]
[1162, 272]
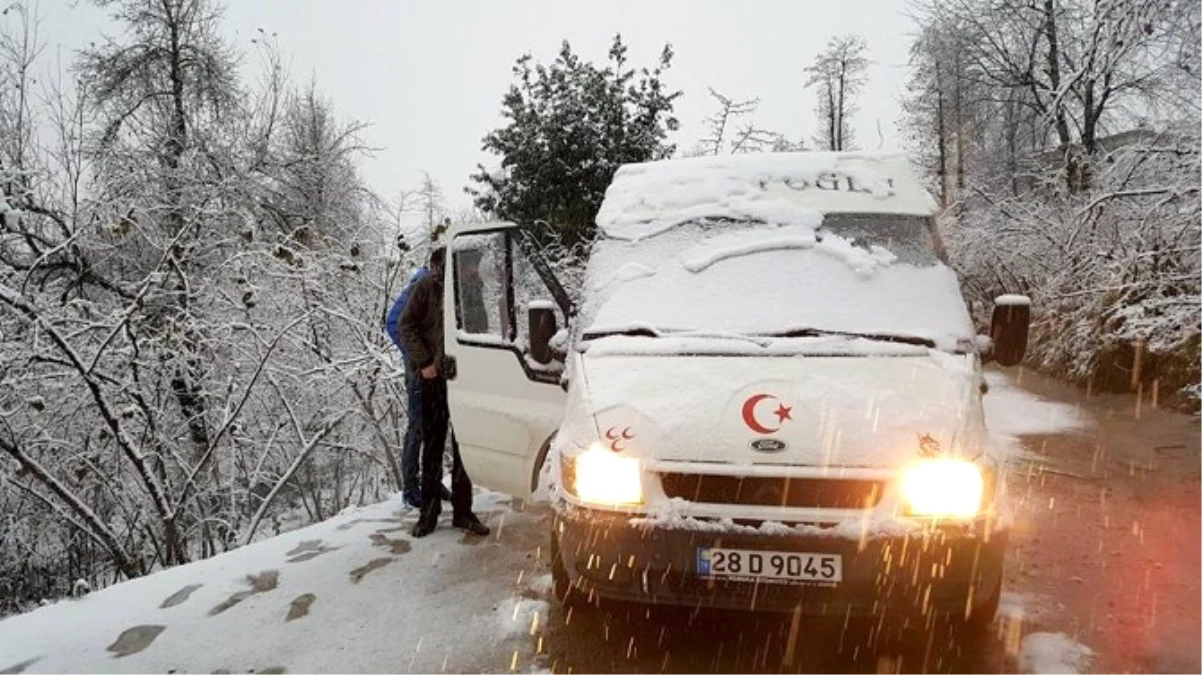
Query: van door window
[504, 300]
[480, 287]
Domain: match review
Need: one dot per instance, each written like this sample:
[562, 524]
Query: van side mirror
[1010, 328]
[543, 326]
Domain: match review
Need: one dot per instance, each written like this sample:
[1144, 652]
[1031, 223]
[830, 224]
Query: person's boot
[422, 527]
[472, 524]
[412, 500]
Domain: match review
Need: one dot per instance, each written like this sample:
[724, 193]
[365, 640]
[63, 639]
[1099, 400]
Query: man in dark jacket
[421, 331]
[411, 490]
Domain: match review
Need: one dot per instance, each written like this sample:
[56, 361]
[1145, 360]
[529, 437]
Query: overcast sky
[429, 76]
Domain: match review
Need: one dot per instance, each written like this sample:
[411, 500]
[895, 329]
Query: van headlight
[943, 488]
[600, 476]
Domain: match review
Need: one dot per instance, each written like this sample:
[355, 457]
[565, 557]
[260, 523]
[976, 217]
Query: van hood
[830, 411]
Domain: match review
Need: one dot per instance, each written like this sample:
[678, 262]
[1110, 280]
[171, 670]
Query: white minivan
[767, 397]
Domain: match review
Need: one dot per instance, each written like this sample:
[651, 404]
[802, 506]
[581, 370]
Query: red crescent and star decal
[616, 436]
[783, 413]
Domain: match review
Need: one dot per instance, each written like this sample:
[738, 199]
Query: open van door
[502, 307]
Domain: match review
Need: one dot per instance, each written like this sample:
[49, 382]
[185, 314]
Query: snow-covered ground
[352, 594]
[1038, 652]
[1054, 653]
[1011, 412]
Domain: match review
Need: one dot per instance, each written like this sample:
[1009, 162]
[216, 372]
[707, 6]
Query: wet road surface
[638, 640]
[1105, 550]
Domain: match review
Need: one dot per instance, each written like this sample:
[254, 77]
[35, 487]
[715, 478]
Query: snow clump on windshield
[785, 189]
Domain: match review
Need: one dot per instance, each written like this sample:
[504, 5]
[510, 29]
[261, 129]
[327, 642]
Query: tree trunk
[941, 135]
[830, 116]
[1011, 126]
[841, 122]
[1052, 62]
[958, 111]
[1089, 131]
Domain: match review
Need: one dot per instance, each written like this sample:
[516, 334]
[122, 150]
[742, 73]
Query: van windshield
[858, 275]
[910, 238]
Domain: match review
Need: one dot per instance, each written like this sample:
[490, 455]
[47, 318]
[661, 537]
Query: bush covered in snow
[1113, 271]
[1062, 139]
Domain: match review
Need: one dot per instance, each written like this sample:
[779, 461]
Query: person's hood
[837, 411]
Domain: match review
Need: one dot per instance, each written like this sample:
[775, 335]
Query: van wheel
[983, 614]
[561, 586]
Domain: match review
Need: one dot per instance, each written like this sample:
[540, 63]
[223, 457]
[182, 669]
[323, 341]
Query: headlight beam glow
[944, 488]
[607, 478]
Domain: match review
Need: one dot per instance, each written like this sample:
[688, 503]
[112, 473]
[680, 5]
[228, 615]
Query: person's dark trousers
[461, 483]
[412, 450]
[435, 418]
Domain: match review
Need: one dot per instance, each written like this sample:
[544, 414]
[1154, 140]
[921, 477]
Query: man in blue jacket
[411, 452]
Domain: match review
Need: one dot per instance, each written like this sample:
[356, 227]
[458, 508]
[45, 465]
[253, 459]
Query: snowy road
[1102, 574]
[1108, 542]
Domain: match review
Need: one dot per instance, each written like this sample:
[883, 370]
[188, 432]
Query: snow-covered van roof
[795, 188]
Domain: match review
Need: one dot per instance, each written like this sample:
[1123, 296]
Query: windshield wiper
[644, 331]
[876, 337]
[759, 339]
[625, 332]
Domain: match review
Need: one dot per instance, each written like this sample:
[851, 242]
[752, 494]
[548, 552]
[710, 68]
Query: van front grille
[815, 493]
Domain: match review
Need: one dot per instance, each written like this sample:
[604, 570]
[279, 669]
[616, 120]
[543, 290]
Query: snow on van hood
[834, 411]
[671, 260]
[781, 188]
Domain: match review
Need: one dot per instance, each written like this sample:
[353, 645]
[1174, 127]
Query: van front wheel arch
[539, 461]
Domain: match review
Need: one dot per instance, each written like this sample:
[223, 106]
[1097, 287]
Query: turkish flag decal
[782, 412]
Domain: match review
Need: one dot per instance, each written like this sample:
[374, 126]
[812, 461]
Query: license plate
[775, 567]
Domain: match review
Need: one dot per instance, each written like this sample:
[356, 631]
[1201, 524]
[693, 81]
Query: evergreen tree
[570, 126]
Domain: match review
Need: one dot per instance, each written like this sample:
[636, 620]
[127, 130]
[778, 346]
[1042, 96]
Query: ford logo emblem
[768, 445]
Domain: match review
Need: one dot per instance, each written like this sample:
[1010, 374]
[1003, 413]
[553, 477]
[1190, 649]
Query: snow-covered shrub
[1113, 271]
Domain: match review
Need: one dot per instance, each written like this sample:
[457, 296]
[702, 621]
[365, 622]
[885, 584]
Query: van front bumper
[944, 572]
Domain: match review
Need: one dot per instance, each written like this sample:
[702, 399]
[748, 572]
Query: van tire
[561, 586]
[984, 613]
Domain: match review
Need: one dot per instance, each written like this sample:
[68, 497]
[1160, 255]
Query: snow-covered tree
[1063, 139]
[838, 74]
[314, 196]
[570, 125]
[721, 123]
[432, 205]
[193, 280]
[727, 135]
[1082, 70]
